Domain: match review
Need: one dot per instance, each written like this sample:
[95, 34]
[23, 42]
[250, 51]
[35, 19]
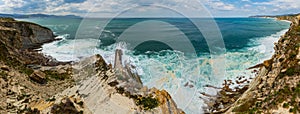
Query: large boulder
[38, 76]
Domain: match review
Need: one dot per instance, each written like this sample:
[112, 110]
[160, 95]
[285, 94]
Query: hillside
[37, 16]
[276, 87]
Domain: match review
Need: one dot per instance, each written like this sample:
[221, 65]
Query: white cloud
[245, 0]
[219, 5]
[281, 4]
[108, 7]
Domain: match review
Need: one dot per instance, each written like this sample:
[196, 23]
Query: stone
[61, 71]
[11, 73]
[15, 89]
[38, 76]
[23, 107]
[298, 56]
[5, 68]
[283, 70]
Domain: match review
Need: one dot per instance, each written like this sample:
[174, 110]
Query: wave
[266, 44]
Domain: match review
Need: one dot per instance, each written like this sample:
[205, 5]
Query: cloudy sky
[217, 8]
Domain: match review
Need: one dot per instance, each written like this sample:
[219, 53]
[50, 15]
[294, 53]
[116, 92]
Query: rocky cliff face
[276, 88]
[24, 78]
[18, 39]
[29, 35]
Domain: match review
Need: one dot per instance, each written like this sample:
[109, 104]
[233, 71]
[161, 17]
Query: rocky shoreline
[276, 87]
[33, 83]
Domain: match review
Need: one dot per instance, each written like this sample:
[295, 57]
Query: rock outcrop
[105, 89]
[24, 35]
[19, 39]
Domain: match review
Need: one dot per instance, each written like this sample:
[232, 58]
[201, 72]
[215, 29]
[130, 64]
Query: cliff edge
[276, 87]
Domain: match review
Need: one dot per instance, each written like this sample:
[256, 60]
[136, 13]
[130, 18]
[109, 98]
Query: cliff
[276, 87]
[29, 34]
[19, 39]
[25, 74]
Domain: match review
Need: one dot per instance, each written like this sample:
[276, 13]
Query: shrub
[290, 71]
[285, 105]
[148, 103]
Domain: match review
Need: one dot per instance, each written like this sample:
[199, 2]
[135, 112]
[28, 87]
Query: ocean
[183, 65]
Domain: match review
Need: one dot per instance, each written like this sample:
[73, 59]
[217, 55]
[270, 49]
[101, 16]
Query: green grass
[297, 45]
[285, 105]
[290, 71]
[3, 75]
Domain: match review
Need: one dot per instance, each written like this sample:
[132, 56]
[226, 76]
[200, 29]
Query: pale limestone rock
[98, 90]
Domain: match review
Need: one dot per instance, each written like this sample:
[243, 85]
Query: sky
[216, 8]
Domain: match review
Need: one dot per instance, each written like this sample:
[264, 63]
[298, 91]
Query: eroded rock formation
[106, 89]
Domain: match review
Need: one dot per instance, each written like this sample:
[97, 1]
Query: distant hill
[37, 16]
[274, 15]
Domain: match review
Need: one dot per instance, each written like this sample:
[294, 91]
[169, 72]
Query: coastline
[264, 67]
[34, 83]
[245, 68]
[271, 91]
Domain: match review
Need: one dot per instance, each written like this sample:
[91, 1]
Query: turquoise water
[248, 41]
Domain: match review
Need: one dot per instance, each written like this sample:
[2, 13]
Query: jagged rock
[38, 76]
[102, 90]
[167, 104]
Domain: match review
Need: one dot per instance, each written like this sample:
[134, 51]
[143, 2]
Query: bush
[285, 105]
[147, 102]
[290, 71]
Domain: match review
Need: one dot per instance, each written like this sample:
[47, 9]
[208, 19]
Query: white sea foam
[266, 44]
